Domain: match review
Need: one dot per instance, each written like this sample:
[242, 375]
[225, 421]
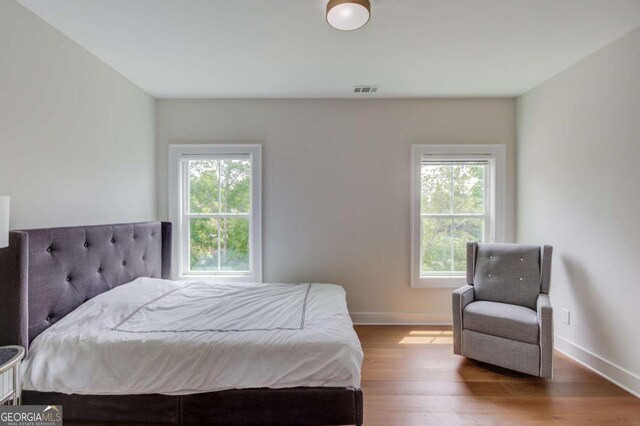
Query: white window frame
[495, 154]
[178, 187]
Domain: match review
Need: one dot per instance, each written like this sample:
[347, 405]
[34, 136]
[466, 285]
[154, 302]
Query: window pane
[465, 230]
[203, 186]
[203, 240]
[234, 244]
[235, 186]
[468, 188]
[436, 189]
[436, 245]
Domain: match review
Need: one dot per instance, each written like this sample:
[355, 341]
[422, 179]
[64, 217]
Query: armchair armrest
[461, 297]
[545, 323]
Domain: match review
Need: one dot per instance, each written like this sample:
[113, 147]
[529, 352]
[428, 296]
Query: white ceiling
[284, 48]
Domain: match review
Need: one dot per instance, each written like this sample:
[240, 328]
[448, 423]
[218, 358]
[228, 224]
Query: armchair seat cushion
[503, 320]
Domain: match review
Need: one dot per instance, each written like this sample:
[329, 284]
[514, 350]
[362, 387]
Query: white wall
[578, 175]
[77, 140]
[336, 184]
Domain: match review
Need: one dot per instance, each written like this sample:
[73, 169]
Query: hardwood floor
[411, 377]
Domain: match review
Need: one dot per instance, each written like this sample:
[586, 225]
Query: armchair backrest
[509, 273]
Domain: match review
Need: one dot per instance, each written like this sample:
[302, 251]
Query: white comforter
[159, 336]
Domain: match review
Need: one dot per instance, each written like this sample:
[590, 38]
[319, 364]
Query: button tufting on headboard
[68, 266]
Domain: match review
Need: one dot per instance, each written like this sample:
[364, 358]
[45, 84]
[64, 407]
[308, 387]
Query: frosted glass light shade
[4, 221]
[348, 15]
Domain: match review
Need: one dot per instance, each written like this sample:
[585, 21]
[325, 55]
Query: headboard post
[166, 250]
[14, 306]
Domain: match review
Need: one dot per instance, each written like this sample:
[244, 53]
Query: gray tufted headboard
[47, 273]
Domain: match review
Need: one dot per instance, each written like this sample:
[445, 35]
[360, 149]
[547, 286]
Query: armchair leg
[501, 370]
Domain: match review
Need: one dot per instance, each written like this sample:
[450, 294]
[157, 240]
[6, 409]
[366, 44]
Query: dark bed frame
[47, 273]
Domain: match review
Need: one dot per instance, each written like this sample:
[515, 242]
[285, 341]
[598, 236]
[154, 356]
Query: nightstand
[10, 374]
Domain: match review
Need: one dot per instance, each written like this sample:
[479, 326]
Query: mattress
[176, 338]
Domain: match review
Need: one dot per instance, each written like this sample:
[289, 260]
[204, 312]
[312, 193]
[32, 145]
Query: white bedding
[160, 336]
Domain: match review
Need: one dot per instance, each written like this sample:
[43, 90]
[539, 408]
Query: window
[215, 204]
[456, 199]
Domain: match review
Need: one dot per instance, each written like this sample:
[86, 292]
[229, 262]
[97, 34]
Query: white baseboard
[400, 318]
[615, 374]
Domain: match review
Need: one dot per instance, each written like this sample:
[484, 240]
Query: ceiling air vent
[365, 89]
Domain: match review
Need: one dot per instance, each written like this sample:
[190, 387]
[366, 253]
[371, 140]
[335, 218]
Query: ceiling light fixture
[348, 15]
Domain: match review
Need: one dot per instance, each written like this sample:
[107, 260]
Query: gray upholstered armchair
[503, 316]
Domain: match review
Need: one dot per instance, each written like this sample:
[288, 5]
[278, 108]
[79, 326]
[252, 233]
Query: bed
[95, 301]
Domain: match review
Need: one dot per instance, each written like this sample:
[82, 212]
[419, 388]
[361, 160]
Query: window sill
[438, 282]
[220, 278]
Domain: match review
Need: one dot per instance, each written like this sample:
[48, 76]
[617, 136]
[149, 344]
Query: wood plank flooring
[411, 377]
